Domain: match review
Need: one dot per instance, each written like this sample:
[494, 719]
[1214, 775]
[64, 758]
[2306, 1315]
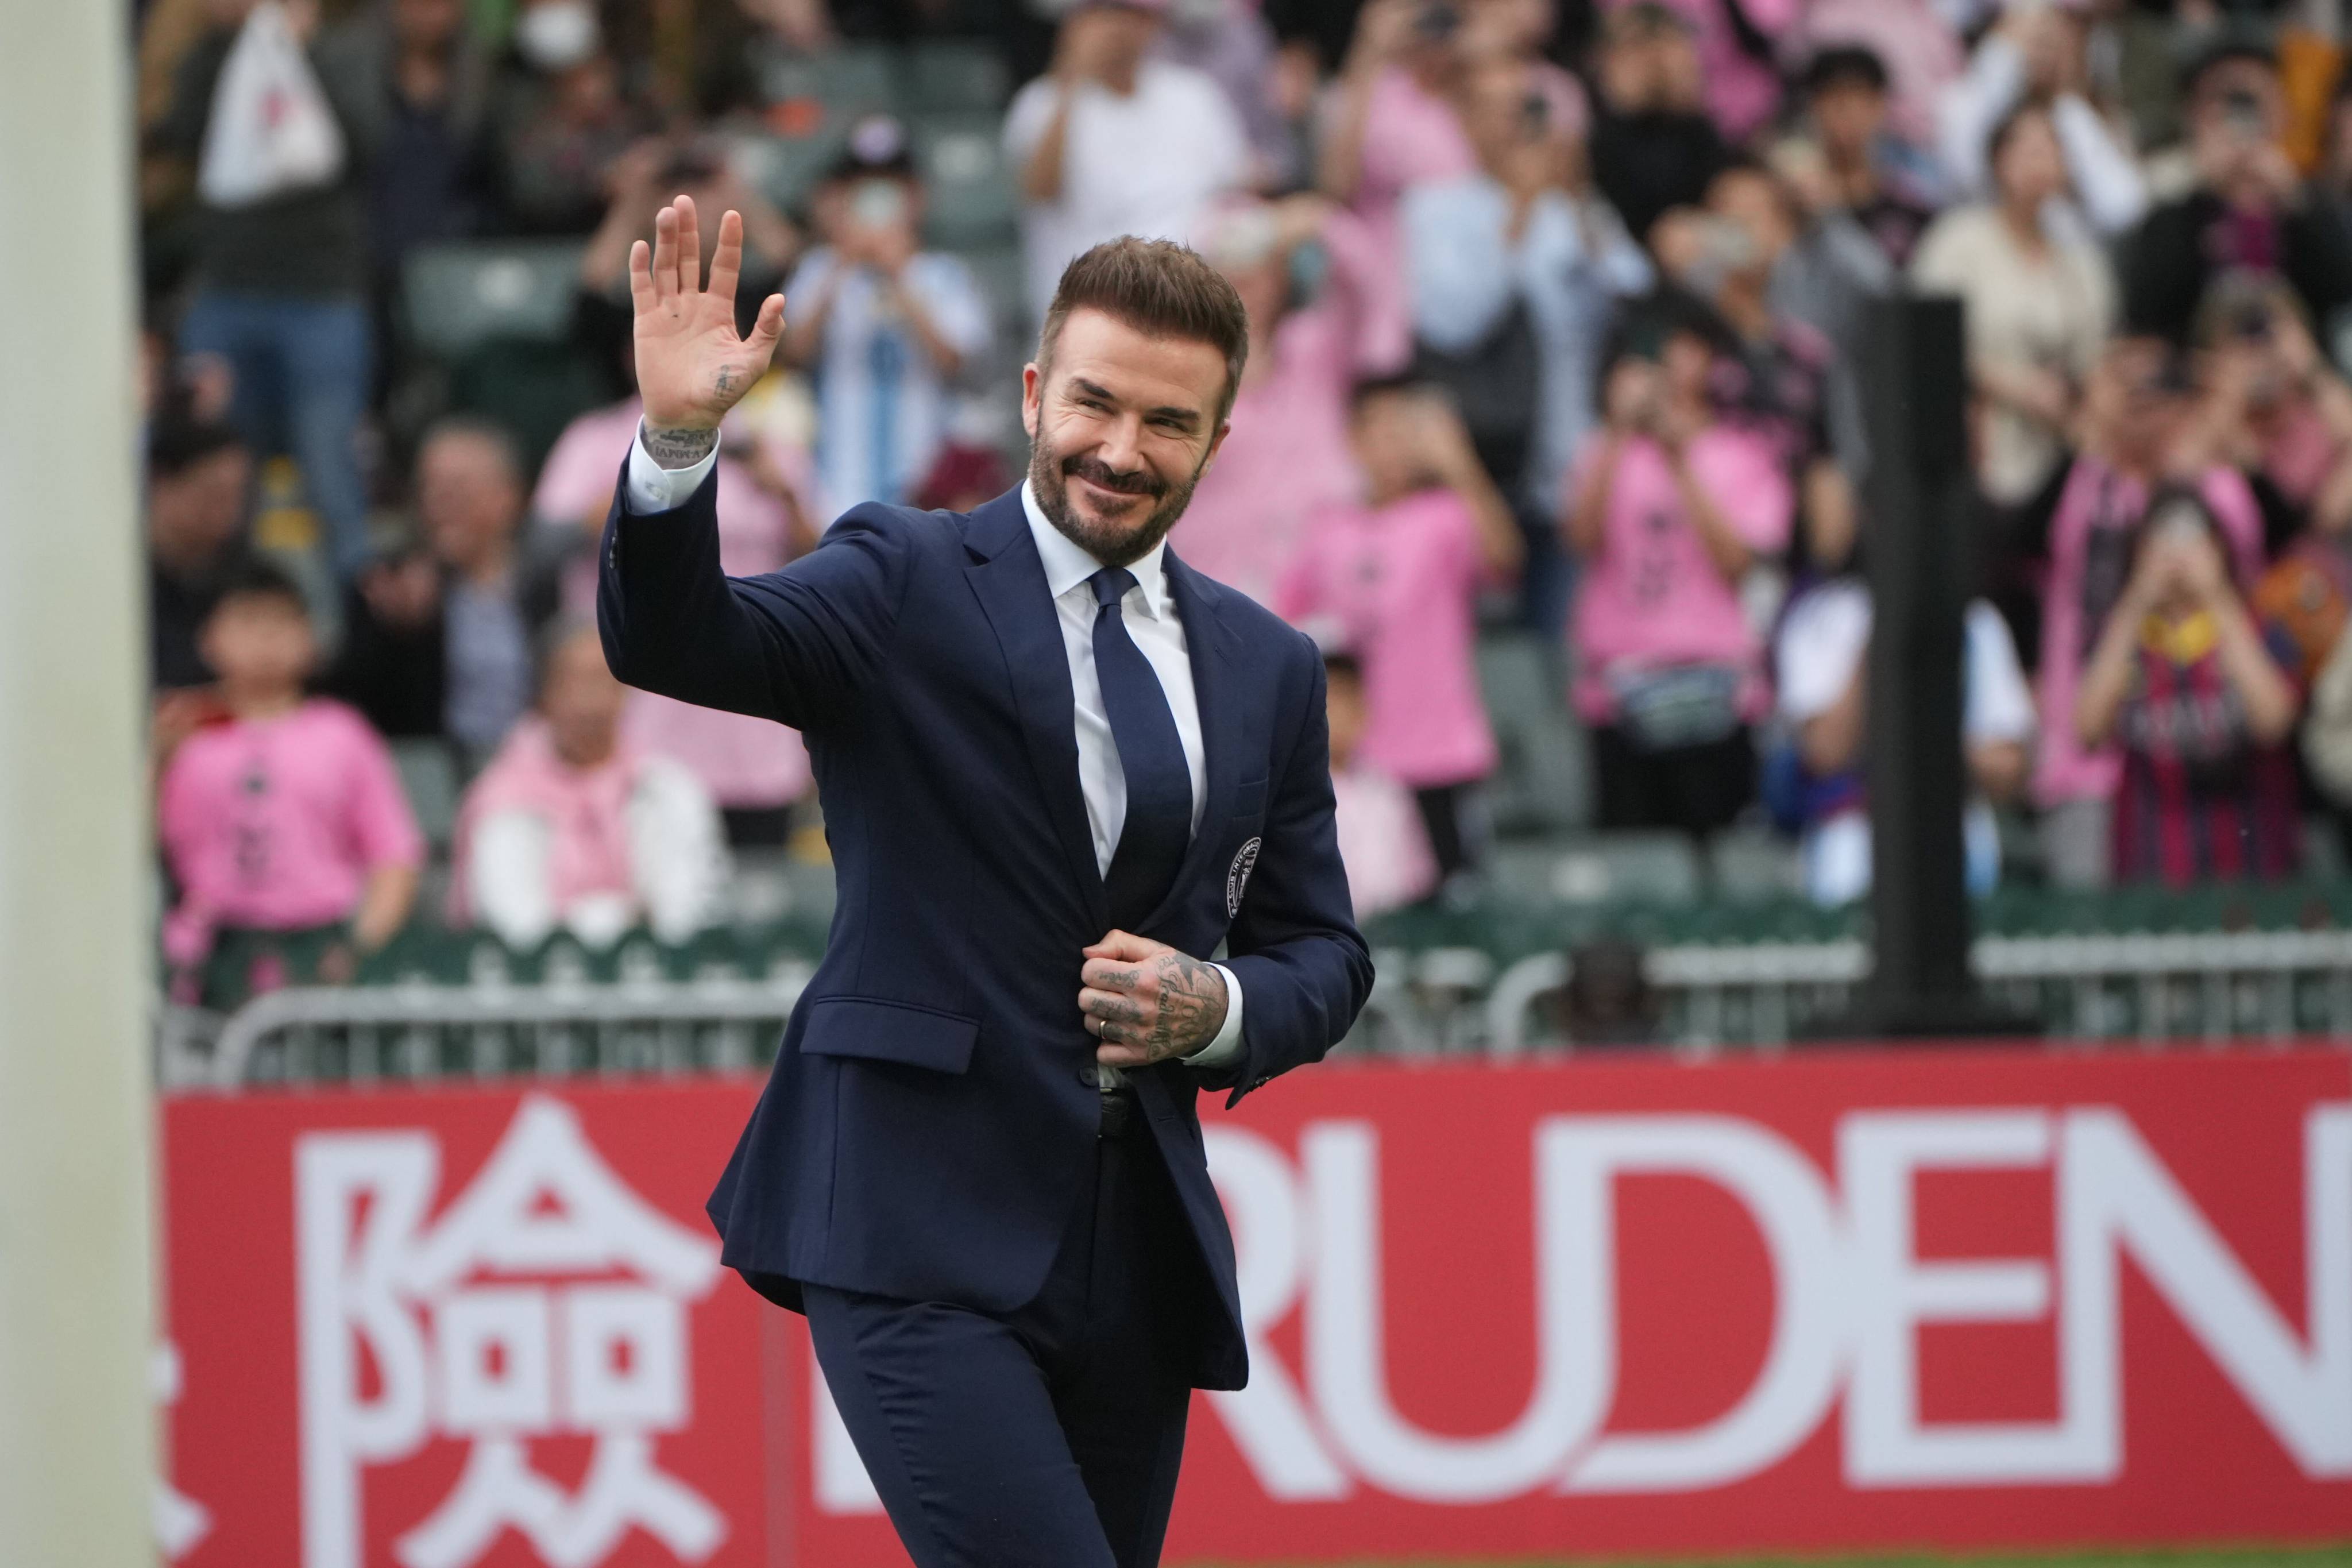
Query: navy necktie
[1159, 826]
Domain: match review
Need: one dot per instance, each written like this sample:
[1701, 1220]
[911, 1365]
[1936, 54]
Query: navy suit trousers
[1050, 1434]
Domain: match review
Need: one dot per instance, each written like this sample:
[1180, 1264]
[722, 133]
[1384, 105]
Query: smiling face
[1121, 425]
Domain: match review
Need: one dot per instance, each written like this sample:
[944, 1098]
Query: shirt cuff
[652, 488]
[1228, 1043]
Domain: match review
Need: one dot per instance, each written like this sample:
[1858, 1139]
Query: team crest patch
[1237, 877]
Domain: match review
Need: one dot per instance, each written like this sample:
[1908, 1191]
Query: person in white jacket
[2037, 50]
[569, 826]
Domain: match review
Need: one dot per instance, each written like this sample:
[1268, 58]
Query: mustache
[1096, 472]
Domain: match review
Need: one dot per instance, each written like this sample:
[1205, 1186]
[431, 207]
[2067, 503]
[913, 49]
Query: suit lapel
[1210, 647]
[1010, 582]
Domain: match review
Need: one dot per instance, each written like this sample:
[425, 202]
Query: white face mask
[557, 36]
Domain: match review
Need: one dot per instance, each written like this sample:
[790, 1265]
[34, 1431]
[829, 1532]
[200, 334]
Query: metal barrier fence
[1432, 1003]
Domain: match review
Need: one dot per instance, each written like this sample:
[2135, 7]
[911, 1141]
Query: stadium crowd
[1555, 307]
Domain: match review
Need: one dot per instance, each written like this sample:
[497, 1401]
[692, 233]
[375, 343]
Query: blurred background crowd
[1550, 432]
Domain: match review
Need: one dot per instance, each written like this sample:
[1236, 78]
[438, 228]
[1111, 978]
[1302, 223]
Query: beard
[1112, 542]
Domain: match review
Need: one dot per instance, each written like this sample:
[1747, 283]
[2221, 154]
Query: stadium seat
[954, 74]
[1542, 784]
[1753, 864]
[970, 191]
[1003, 276]
[457, 295]
[428, 774]
[854, 80]
[530, 389]
[1638, 867]
[786, 169]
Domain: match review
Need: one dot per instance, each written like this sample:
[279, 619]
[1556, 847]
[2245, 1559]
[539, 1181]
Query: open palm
[692, 364]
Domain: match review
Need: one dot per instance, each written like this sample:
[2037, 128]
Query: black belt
[1121, 1115]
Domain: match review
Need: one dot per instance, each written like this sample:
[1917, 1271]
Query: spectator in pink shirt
[284, 825]
[1399, 574]
[1389, 120]
[573, 826]
[1671, 510]
[755, 769]
[1288, 456]
[1381, 841]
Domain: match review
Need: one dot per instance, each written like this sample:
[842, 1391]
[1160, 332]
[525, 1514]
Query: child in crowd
[284, 824]
[2198, 699]
[571, 825]
[1399, 574]
[1380, 838]
[1669, 511]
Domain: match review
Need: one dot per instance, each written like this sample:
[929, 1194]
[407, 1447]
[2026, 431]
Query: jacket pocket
[1249, 800]
[889, 1032]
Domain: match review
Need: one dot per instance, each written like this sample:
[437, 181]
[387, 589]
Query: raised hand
[692, 364]
[1146, 1002]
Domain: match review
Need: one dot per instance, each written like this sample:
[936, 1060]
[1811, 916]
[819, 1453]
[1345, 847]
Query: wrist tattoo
[679, 448]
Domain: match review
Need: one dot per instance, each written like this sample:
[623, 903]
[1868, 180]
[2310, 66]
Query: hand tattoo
[1184, 1016]
[679, 448]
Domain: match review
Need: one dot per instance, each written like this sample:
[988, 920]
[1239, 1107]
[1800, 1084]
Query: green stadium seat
[1627, 868]
[1543, 783]
[428, 774]
[1753, 865]
[531, 389]
[1002, 276]
[970, 194]
[786, 169]
[848, 82]
[953, 74]
[458, 295]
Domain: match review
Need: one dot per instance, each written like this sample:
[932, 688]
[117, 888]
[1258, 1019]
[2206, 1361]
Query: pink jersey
[1651, 597]
[1287, 456]
[276, 825]
[742, 762]
[1401, 581]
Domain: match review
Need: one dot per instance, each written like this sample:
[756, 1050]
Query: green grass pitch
[2249, 1557]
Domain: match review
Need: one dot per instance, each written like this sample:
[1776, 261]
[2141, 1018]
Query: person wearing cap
[2249, 210]
[1110, 142]
[882, 325]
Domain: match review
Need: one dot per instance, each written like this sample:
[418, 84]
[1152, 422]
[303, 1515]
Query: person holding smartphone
[2199, 698]
[2250, 211]
[883, 325]
[1670, 510]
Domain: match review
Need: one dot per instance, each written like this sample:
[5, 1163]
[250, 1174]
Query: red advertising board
[1895, 1299]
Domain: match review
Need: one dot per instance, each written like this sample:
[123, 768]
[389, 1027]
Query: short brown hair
[1160, 289]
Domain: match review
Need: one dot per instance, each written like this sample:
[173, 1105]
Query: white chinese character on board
[547, 1299]
[179, 1520]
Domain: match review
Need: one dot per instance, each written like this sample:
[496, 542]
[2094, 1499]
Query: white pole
[76, 1431]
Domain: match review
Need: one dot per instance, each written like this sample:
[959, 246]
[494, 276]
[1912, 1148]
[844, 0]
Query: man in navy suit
[1058, 768]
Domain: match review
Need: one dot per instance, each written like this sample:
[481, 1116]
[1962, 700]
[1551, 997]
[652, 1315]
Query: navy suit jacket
[931, 1120]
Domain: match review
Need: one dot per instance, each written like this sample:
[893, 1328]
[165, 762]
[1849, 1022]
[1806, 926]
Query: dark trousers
[1453, 817]
[1048, 1435]
[1699, 790]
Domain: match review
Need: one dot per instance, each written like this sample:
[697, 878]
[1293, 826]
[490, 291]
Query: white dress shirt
[1152, 622]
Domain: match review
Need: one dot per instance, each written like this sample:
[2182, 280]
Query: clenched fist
[1147, 1003]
